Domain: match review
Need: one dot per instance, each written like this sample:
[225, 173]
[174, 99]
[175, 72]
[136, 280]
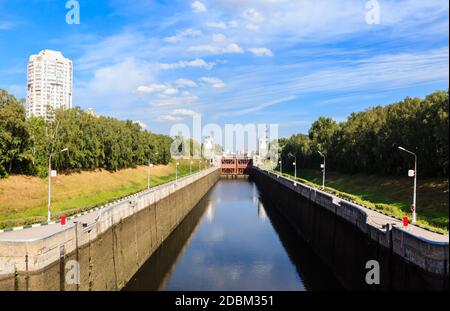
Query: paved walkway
[375, 218]
[39, 231]
[379, 220]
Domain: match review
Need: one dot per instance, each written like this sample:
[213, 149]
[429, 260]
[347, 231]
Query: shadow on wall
[340, 244]
[155, 273]
[313, 272]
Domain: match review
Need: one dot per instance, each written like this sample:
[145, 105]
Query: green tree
[15, 156]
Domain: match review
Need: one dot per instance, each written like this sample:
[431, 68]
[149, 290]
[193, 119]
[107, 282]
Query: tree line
[368, 141]
[92, 142]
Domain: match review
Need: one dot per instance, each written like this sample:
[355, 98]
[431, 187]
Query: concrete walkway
[40, 231]
[375, 218]
[380, 220]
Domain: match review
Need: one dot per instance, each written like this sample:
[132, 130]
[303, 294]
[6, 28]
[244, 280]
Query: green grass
[76, 193]
[390, 195]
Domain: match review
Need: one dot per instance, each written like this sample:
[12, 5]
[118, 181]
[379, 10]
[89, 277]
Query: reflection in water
[226, 243]
[210, 211]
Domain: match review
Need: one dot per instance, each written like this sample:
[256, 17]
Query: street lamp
[295, 164]
[49, 208]
[281, 160]
[323, 169]
[415, 182]
[148, 177]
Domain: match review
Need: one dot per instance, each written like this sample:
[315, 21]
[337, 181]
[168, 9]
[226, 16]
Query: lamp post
[415, 182]
[323, 169]
[281, 160]
[49, 208]
[149, 167]
[295, 165]
[176, 172]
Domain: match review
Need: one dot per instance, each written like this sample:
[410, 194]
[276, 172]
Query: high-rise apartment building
[49, 84]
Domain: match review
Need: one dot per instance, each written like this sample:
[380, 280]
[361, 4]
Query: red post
[63, 219]
[405, 221]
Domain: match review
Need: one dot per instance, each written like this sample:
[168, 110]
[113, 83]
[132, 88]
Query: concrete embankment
[347, 236]
[108, 246]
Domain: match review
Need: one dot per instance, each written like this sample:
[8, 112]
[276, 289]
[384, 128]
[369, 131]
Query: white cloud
[168, 117]
[184, 112]
[371, 75]
[207, 48]
[220, 25]
[214, 82]
[251, 26]
[218, 37]
[183, 34]
[110, 79]
[231, 48]
[253, 16]
[164, 89]
[184, 99]
[142, 124]
[186, 83]
[178, 115]
[155, 87]
[171, 91]
[198, 7]
[261, 51]
[233, 24]
[196, 63]
[263, 106]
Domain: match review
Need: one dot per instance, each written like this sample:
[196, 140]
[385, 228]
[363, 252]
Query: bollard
[405, 221]
[63, 219]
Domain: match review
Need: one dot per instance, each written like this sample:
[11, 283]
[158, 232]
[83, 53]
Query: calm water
[233, 240]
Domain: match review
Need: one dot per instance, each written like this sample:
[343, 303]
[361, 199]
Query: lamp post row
[323, 167]
[49, 195]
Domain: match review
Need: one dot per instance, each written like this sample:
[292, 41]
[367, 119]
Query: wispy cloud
[185, 99]
[198, 7]
[283, 55]
[214, 82]
[220, 25]
[232, 48]
[196, 63]
[261, 51]
[5, 25]
[186, 83]
[183, 34]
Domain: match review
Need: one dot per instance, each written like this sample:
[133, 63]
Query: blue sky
[232, 61]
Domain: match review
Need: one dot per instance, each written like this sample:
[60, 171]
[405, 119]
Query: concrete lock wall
[338, 231]
[111, 249]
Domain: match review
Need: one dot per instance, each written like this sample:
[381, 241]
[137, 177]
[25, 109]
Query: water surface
[233, 240]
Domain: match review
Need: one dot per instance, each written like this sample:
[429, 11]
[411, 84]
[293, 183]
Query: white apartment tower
[49, 84]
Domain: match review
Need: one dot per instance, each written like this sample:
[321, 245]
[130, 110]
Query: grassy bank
[391, 195]
[23, 199]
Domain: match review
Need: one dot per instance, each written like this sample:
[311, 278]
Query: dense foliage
[367, 142]
[92, 142]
